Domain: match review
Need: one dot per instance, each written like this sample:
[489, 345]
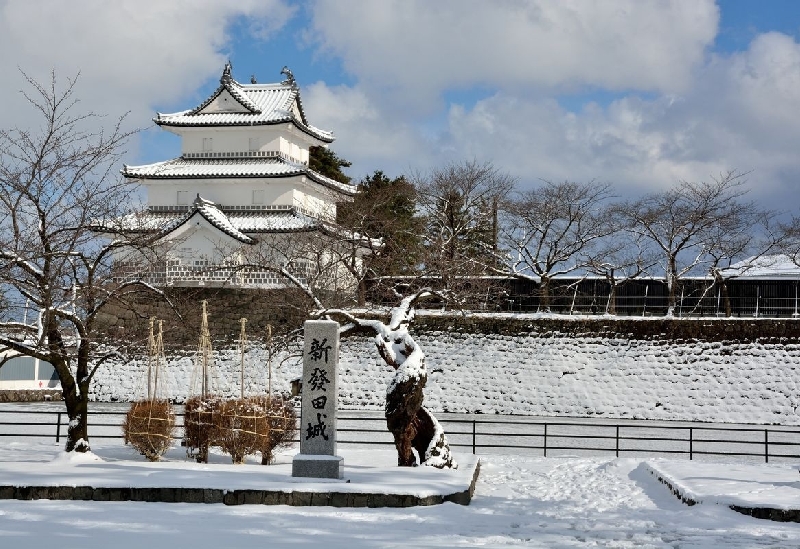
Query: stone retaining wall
[29, 395]
[689, 370]
[127, 323]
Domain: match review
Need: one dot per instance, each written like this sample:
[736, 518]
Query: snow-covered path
[565, 502]
[519, 502]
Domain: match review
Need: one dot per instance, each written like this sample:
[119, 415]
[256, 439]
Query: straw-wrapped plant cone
[279, 429]
[149, 427]
[198, 426]
[238, 427]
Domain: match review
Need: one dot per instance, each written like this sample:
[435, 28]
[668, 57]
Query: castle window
[208, 144]
[258, 197]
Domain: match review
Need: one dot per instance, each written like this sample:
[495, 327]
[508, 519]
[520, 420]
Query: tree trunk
[611, 307]
[414, 428]
[723, 290]
[76, 400]
[362, 292]
[403, 403]
[75, 389]
[544, 295]
[672, 283]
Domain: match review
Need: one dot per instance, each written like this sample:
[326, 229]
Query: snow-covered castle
[242, 178]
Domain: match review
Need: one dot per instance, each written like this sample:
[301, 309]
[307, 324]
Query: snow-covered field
[519, 502]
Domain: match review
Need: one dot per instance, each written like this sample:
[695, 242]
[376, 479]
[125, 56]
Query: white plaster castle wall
[227, 140]
[231, 192]
[198, 239]
[224, 102]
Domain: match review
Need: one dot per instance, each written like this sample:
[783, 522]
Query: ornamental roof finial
[289, 77]
[226, 73]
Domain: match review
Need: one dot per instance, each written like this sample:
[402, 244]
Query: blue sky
[638, 94]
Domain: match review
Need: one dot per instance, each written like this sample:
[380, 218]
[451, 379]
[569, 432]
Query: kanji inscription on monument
[317, 457]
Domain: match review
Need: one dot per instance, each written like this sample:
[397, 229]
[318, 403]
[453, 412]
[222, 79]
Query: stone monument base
[316, 466]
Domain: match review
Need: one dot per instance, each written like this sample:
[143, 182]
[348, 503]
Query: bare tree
[747, 233]
[460, 204]
[414, 428]
[620, 258]
[58, 187]
[549, 230]
[788, 239]
[684, 223]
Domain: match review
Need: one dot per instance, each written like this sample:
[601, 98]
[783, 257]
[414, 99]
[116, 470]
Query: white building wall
[281, 138]
[198, 240]
[224, 102]
[35, 374]
[224, 192]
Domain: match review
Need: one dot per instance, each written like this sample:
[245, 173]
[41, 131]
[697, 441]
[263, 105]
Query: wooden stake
[269, 360]
[151, 347]
[242, 350]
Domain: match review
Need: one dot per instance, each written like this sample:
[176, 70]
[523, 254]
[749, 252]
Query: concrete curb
[237, 497]
[767, 513]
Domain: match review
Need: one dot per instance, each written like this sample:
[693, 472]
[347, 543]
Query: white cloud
[682, 113]
[133, 55]
[415, 49]
[370, 139]
[738, 114]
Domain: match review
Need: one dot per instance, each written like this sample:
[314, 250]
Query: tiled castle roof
[234, 223]
[257, 104]
[232, 167]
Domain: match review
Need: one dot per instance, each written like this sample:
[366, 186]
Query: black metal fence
[649, 297]
[777, 297]
[500, 435]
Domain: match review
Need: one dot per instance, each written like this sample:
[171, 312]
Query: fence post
[473, 437]
[766, 445]
[58, 428]
[617, 437]
[690, 443]
[545, 440]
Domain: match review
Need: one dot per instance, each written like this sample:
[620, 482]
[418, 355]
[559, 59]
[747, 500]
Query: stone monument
[317, 457]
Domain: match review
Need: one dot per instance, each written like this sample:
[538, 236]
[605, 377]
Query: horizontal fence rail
[482, 436]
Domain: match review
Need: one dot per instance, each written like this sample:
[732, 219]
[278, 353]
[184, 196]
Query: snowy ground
[519, 502]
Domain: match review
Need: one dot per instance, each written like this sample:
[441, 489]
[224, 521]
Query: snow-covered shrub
[198, 426]
[237, 426]
[281, 428]
[246, 426]
[149, 427]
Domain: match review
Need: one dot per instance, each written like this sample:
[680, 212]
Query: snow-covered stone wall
[546, 374]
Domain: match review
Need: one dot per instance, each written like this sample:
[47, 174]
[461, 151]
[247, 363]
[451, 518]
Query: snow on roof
[191, 168]
[209, 211]
[766, 266]
[236, 224]
[257, 104]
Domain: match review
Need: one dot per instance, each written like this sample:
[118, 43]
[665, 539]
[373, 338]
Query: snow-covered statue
[418, 437]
